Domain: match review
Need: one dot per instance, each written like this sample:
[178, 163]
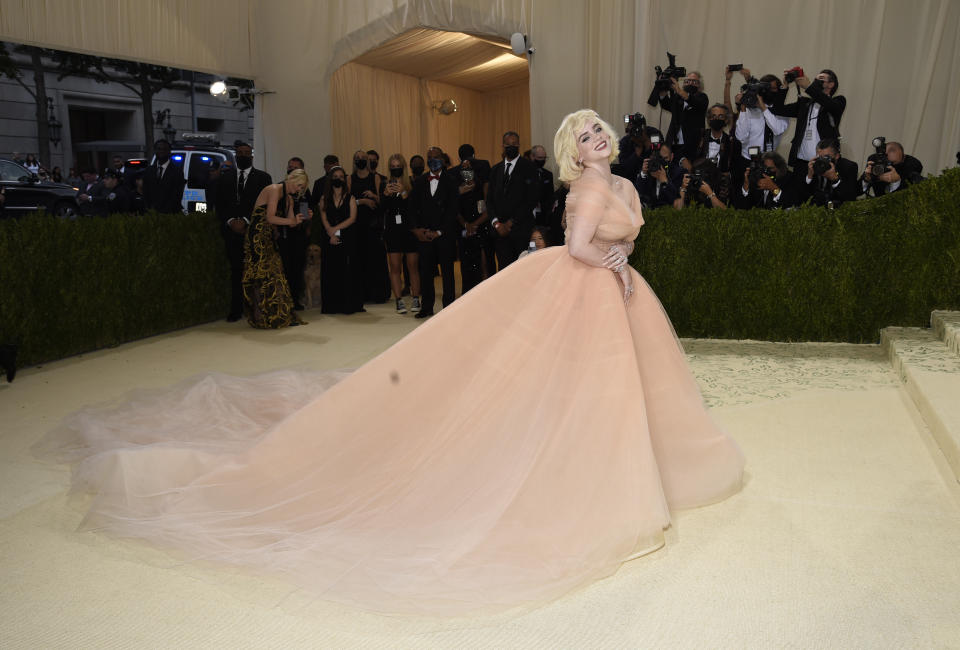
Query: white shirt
[509, 166]
[811, 136]
[163, 167]
[750, 126]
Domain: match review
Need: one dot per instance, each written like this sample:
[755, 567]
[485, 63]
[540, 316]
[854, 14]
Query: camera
[654, 163]
[821, 165]
[665, 75]
[695, 182]
[467, 175]
[881, 164]
[756, 168]
[792, 74]
[635, 124]
[752, 90]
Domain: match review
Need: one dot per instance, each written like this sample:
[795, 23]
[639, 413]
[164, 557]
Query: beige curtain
[393, 113]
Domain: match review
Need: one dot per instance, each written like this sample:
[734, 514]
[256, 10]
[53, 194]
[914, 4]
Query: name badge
[399, 219]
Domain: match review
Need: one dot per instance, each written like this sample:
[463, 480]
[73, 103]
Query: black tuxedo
[164, 194]
[229, 206]
[828, 119]
[757, 198]
[822, 192]
[437, 211]
[730, 151]
[545, 196]
[511, 201]
[688, 120]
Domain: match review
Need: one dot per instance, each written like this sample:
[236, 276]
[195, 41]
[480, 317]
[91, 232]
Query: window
[198, 174]
[10, 171]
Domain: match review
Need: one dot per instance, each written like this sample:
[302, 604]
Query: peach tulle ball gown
[567, 427]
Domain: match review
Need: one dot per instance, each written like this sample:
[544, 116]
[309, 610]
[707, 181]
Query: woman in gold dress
[266, 294]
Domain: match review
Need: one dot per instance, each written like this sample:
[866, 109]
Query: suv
[25, 192]
[195, 152]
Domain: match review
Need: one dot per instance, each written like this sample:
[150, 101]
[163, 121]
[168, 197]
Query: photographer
[635, 146]
[716, 144]
[687, 106]
[889, 169]
[697, 187]
[818, 116]
[757, 126]
[659, 181]
[767, 185]
[830, 179]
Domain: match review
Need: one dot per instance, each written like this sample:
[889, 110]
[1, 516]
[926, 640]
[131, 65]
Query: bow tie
[717, 140]
[434, 177]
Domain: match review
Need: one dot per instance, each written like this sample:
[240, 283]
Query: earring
[580, 162]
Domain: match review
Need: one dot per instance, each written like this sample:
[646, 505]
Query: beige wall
[896, 59]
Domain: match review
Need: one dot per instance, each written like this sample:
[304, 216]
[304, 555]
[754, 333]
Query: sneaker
[401, 308]
[415, 307]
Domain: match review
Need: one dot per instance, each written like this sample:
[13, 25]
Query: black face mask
[290, 169]
[162, 158]
[244, 162]
[337, 182]
[690, 89]
[416, 170]
[717, 125]
[539, 163]
[360, 164]
[373, 164]
[511, 151]
[396, 172]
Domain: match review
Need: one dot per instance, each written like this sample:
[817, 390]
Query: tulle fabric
[525, 441]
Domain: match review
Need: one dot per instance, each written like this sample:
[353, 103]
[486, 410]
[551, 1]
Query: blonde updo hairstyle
[565, 142]
[300, 178]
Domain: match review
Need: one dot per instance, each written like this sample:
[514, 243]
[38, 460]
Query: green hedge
[73, 286]
[810, 274]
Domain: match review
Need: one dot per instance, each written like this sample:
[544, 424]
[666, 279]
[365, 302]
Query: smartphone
[305, 209]
[735, 67]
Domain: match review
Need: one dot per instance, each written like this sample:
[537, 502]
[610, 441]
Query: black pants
[293, 251]
[442, 251]
[510, 247]
[471, 273]
[234, 247]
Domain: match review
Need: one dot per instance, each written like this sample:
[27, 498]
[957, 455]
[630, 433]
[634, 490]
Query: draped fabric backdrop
[393, 113]
[896, 59]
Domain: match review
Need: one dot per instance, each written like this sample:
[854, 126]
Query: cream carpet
[844, 536]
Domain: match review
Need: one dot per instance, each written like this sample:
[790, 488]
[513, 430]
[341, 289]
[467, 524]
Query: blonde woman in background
[397, 235]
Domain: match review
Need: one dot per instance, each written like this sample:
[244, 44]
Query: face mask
[244, 162]
[373, 164]
[360, 164]
[717, 125]
[396, 172]
[416, 170]
[290, 169]
[539, 163]
[690, 89]
[435, 165]
[162, 158]
[511, 151]
[337, 182]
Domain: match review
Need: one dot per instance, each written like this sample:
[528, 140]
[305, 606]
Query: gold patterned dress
[266, 295]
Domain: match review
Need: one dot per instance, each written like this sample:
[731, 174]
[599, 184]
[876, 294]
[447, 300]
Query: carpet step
[931, 376]
[946, 325]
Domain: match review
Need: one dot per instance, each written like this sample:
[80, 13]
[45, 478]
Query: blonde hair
[404, 179]
[565, 142]
[300, 177]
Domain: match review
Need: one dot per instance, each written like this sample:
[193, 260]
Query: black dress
[375, 280]
[398, 224]
[340, 288]
[266, 295]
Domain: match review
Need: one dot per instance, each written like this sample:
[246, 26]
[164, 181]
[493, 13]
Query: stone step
[946, 325]
[931, 376]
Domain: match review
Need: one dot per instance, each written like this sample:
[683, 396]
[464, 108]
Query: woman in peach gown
[570, 427]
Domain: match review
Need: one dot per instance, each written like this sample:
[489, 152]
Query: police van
[195, 152]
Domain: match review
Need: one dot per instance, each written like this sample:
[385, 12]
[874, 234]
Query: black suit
[654, 194]
[828, 120]
[910, 171]
[511, 201]
[437, 211]
[757, 198]
[688, 120]
[292, 244]
[230, 205]
[545, 196]
[166, 193]
[821, 190]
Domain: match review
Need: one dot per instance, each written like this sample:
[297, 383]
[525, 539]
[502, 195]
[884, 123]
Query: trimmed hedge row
[73, 286]
[810, 274]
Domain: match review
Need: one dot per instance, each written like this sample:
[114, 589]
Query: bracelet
[713, 194]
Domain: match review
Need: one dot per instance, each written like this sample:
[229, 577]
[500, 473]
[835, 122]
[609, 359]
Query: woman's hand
[615, 257]
[334, 240]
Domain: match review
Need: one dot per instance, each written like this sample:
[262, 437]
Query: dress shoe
[424, 314]
[233, 318]
[8, 360]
